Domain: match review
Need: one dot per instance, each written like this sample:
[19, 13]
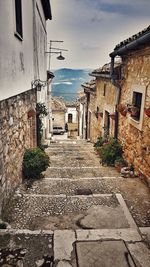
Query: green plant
[100, 141]
[110, 151]
[41, 112]
[120, 161]
[3, 225]
[35, 161]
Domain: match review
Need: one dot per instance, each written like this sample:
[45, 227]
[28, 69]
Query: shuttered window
[18, 12]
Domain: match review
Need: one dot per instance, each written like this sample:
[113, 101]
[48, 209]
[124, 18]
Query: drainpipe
[118, 95]
[87, 115]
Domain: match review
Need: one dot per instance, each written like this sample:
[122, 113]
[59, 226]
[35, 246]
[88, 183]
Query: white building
[23, 41]
[71, 114]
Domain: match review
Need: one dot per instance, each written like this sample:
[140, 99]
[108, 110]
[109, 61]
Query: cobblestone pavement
[81, 214]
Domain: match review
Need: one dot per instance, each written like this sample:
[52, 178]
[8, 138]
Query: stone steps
[69, 186]
[74, 172]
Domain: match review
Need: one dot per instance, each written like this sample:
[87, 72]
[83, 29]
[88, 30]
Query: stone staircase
[77, 203]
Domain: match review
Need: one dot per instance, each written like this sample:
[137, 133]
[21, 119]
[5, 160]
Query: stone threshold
[82, 167]
[80, 179]
[68, 196]
[126, 234]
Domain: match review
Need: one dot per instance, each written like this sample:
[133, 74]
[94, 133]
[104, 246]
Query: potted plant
[120, 163]
[135, 111]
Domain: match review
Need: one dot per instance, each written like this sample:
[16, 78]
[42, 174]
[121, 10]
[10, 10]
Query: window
[18, 14]
[138, 93]
[104, 89]
[136, 102]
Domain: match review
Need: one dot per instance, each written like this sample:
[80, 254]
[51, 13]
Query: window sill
[136, 123]
[18, 36]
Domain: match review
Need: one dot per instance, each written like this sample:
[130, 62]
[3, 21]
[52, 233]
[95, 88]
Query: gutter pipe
[144, 39]
[118, 95]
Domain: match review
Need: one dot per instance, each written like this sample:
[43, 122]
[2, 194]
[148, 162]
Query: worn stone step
[77, 172]
[56, 186]
[64, 212]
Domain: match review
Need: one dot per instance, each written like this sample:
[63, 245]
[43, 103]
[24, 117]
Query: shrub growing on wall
[35, 161]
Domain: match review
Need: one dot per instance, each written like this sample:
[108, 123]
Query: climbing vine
[41, 112]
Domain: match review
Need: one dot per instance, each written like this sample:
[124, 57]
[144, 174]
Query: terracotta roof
[89, 85]
[105, 70]
[133, 37]
[58, 104]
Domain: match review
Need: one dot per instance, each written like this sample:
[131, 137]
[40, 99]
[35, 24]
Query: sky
[91, 29]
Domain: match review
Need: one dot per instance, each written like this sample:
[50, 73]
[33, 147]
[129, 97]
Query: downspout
[87, 115]
[118, 95]
[120, 51]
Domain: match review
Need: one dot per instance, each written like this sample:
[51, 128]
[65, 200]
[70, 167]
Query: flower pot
[31, 113]
[147, 111]
[121, 107]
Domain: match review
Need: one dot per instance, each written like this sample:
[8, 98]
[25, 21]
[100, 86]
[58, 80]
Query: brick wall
[17, 132]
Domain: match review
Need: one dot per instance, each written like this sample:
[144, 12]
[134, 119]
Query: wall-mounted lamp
[38, 84]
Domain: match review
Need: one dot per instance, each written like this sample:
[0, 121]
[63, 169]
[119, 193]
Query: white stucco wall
[40, 42]
[20, 61]
[73, 111]
[16, 56]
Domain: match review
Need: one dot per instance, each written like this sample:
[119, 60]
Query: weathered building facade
[119, 107]
[134, 123]
[101, 103]
[23, 65]
[71, 119]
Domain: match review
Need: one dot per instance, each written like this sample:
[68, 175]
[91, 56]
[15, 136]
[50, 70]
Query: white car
[58, 130]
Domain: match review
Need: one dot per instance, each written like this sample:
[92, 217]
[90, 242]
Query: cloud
[127, 8]
[88, 46]
[96, 19]
[92, 28]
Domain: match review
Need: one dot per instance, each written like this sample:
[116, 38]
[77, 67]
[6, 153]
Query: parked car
[58, 130]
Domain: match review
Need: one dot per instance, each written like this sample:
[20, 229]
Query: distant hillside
[67, 82]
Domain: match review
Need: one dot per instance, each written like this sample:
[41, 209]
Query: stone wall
[17, 132]
[135, 136]
[58, 118]
[105, 103]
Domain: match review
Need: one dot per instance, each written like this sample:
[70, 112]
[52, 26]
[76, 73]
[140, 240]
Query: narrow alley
[80, 214]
